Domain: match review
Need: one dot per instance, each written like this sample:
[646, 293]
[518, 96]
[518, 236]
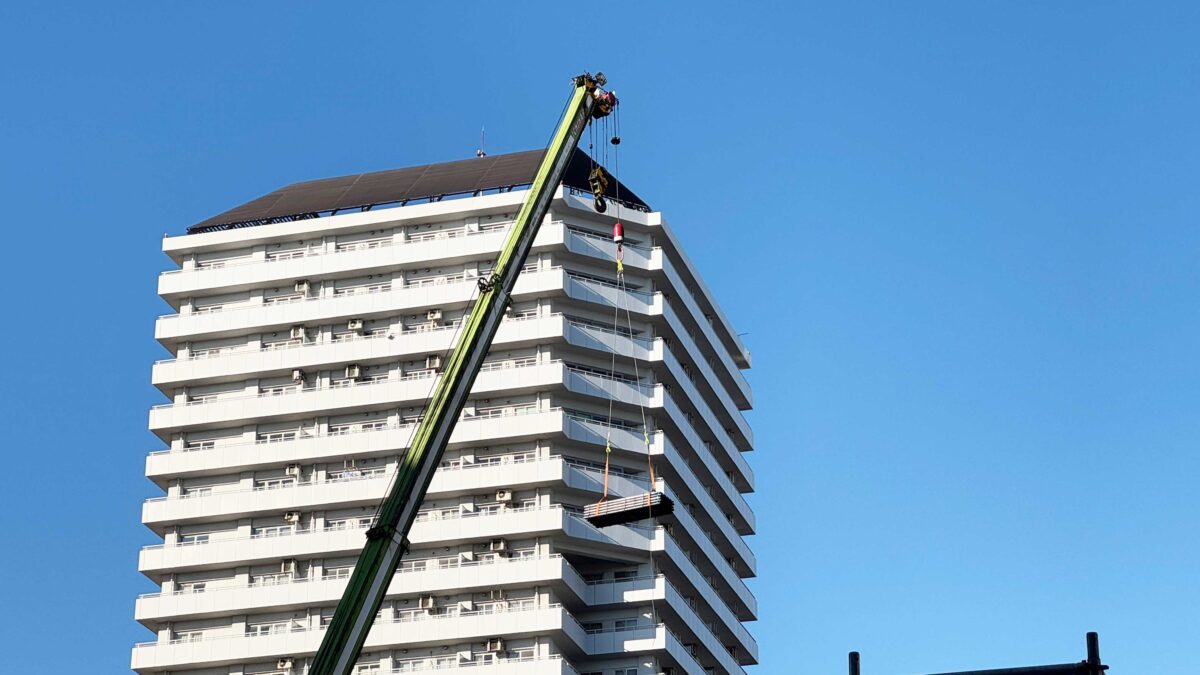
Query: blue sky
[962, 239]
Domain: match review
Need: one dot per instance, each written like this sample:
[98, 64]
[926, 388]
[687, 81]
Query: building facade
[302, 351]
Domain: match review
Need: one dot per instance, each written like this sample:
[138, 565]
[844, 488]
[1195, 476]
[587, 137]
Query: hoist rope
[624, 292]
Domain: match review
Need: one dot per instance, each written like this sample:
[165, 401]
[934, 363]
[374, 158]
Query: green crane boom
[387, 540]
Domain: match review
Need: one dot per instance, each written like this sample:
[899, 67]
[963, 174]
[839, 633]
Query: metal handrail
[295, 390]
[245, 304]
[314, 629]
[313, 253]
[299, 532]
[390, 427]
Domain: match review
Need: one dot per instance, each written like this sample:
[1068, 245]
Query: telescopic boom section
[387, 540]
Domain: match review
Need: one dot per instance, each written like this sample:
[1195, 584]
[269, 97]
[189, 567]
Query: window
[330, 573]
[413, 565]
[192, 587]
[189, 636]
[189, 493]
[274, 483]
[625, 671]
[348, 523]
[269, 628]
[408, 665]
[625, 624]
[592, 626]
[491, 607]
[272, 345]
[404, 615]
[193, 539]
[192, 446]
[270, 531]
[624, 575]
[270, 579]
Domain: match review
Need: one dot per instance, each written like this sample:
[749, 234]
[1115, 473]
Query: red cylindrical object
[618, 232]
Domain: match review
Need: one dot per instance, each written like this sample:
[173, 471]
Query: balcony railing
[356, 523]
[297, 390]
[413, 618]
[205, 446]
[351, 247]
[448, 280]
[287, 579]
[340, 338]
[432, 664]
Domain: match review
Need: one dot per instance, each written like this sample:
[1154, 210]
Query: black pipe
[854, 663]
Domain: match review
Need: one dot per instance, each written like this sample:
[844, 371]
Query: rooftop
[432, 182]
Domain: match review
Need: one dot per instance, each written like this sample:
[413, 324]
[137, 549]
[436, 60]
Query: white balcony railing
[297, 390]
[446, 280]
[351, 247]
[407, 618]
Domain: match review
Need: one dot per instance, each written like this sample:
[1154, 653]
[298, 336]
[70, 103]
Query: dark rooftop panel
[313, 198]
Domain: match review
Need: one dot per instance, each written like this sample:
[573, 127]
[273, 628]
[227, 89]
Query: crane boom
[387, 539]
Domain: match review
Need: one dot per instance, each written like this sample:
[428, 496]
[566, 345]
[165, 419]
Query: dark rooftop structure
[431, 182]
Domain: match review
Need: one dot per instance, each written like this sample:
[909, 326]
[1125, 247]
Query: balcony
[235, 457]
[345, 396]
[316, 355]
[368, 488]
[395, 253]
[551, 621]
[450, 575]
[241, 547]
[520, 425]
[587, 430]
[654, 305]
[252, 317]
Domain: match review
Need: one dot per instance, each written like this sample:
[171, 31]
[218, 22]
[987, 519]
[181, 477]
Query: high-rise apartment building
[308, 327]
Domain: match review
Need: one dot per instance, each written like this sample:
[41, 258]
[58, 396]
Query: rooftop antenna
[480, 152]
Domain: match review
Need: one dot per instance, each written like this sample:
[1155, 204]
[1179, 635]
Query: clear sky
[961, 239]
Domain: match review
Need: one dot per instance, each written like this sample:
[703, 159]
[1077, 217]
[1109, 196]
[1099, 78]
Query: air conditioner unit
[433, 315]
[292, 517]
[284, 664]
[353, 371]
[433, 362]
[504, 496]
[298, 376]
[298, 332]
[498, 545]
[425, 602]
[302, 286]
[495, 644]
[292, 470]
[287, 566]
[496, 594]
[354, 325]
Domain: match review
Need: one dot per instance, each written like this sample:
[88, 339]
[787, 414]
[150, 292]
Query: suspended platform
[628, 509]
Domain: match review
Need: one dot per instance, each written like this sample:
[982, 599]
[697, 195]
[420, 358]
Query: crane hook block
[598, 181]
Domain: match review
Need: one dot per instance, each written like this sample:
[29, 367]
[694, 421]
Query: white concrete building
[301, 353]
